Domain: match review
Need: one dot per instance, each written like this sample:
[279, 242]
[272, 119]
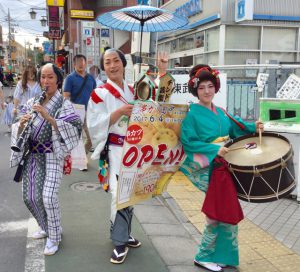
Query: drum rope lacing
[257, 173]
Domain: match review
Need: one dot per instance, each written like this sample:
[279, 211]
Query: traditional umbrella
[142, 18]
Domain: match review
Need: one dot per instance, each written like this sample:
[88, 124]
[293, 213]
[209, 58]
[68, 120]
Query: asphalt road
[13, 214]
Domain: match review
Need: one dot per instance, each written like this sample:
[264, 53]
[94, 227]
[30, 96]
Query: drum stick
[246, 146]
[260, 134]
[236, 148]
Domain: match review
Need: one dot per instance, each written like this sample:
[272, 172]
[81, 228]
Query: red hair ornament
[193, 82]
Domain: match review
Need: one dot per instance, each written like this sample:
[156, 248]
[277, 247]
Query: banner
[181, 93]
[54, 23]
[152, 151]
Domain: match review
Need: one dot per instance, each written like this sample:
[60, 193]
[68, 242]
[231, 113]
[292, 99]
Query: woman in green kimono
[204, 131]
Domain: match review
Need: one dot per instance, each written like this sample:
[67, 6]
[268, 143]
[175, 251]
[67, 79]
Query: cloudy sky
[26, 28]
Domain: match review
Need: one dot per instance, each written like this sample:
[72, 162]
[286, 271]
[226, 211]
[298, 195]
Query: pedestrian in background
[1, 76]
[203, 134]
[78, 87]
[2, 98]
[95, 72]
[27, 88]
[10, 79]
[55, 131]
[8, 112]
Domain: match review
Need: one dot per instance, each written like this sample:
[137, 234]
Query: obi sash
[41, 147]
[115, 139]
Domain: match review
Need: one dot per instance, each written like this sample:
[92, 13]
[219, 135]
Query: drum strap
[241, 126]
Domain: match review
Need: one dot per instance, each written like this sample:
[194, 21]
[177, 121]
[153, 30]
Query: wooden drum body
[265, 173]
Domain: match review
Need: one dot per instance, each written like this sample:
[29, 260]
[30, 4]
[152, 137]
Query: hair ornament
[193, 82]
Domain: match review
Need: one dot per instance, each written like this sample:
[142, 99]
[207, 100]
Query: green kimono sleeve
[235, 131]
[196, 148]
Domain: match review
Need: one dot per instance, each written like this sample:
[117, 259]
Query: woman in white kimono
[108, 108]
[53, 134]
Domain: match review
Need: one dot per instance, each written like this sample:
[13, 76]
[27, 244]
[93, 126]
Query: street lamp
[43, 21]
[32, 13]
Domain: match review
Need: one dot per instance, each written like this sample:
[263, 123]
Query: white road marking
[34, 259]
[13, 226]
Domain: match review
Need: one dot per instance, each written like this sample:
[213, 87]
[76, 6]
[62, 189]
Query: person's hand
[126, 110]
[42, 111]
[259, 126]
[162, 62]
[24, 119]
[223, 151]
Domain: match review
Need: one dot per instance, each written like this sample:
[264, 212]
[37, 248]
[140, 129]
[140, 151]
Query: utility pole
[9, 41]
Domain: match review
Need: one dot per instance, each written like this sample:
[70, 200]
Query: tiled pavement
[269, 236]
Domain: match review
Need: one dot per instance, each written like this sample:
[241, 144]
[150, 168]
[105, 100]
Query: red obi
[115, 139]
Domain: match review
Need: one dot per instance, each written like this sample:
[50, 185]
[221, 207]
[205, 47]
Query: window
[279, 39]
[199, 59]
[242, 37]
[266, 57]
[212, 59]
[212, 39]
[174, 46]
[199, 41]
[186, 43]
[232, 58]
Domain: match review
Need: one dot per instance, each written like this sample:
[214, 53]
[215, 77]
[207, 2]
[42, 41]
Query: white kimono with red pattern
[102, 103]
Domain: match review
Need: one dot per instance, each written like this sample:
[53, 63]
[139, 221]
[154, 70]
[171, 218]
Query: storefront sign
[82, 14]
[190, 8]
[243, 10]
[105, 32]
[54, 23]
[182, 96]
[58, 3]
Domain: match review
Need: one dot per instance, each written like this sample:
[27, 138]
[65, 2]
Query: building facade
[234, 32]
[83, 34]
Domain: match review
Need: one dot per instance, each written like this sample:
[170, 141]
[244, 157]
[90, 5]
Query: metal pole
[53, 51]
[141, 41]
[9, 41]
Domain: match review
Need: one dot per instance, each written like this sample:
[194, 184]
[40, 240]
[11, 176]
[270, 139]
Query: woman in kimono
[52, 135]
[108, 111]
[203, 133]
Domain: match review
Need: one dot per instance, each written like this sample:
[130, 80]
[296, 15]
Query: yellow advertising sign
[58, 3]
[152, 151]
[80, 13]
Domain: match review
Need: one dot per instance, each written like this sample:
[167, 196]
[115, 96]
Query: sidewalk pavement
[259, 251]
[168, 226]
